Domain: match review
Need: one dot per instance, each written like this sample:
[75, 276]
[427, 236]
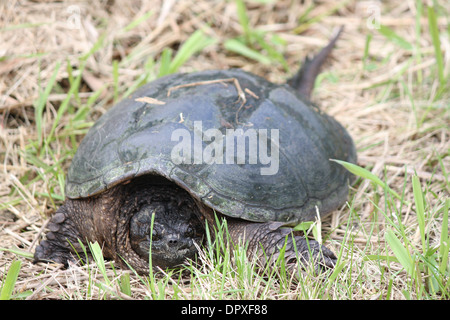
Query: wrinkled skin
[176, 227]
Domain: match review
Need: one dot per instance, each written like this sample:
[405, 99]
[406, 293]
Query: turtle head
[176, 229]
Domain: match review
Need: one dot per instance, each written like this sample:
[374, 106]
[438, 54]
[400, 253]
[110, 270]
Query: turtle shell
[182, 127]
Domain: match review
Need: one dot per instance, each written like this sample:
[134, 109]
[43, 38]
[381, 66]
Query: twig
[235, 81]
[38, 235]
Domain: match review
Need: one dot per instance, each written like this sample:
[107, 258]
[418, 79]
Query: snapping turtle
[187, 147]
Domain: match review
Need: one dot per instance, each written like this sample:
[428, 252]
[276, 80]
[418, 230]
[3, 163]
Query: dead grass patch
[388, 96]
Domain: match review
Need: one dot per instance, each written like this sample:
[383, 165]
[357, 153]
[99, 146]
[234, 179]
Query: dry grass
[390, 100]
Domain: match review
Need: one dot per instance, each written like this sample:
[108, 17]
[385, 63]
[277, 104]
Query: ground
[64, 63]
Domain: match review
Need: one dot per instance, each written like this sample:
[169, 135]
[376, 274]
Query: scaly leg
[266, 240]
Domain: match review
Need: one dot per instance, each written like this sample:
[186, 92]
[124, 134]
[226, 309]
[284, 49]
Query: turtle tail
[304, 79]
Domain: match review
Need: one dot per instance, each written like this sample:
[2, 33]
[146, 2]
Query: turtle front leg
[266, 240]
[61, 244]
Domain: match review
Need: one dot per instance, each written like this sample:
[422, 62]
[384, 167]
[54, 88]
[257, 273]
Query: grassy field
[63, 64]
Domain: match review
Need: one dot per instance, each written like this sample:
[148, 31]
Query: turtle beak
[173, 252]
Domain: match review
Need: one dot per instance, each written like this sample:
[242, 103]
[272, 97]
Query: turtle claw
[312, 252]
[270, 240]
[302, 253]
[49, 252]
[61, 244]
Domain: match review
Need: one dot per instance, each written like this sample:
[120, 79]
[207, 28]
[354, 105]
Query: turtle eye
[155, 236]
[156, 233]
[192, 232]
[189, 232]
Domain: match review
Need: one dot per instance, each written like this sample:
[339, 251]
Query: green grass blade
[164, 62]
[432, 22]
[272, 51]
[133, 24]
[10, 280]
[304, 17]
[240, 48]
[445, 239]
[97, 45]
[65, 104]
[400, 252]
[303, 226]
[115, 80]
[22, 253]
[24, 26]
[125, 286]
[361, 172]
[304, 25]
[366, 51]
[364, 173]
[39, 105]
[394, 37]
[336, 271]
[96, 251]
[370, 257]
[420, 210]
[243, 18]
[195, 43]
[418, 27]
[152, 280]
[71, 79]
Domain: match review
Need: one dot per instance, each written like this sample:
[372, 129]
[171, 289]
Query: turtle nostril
[172, 240]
